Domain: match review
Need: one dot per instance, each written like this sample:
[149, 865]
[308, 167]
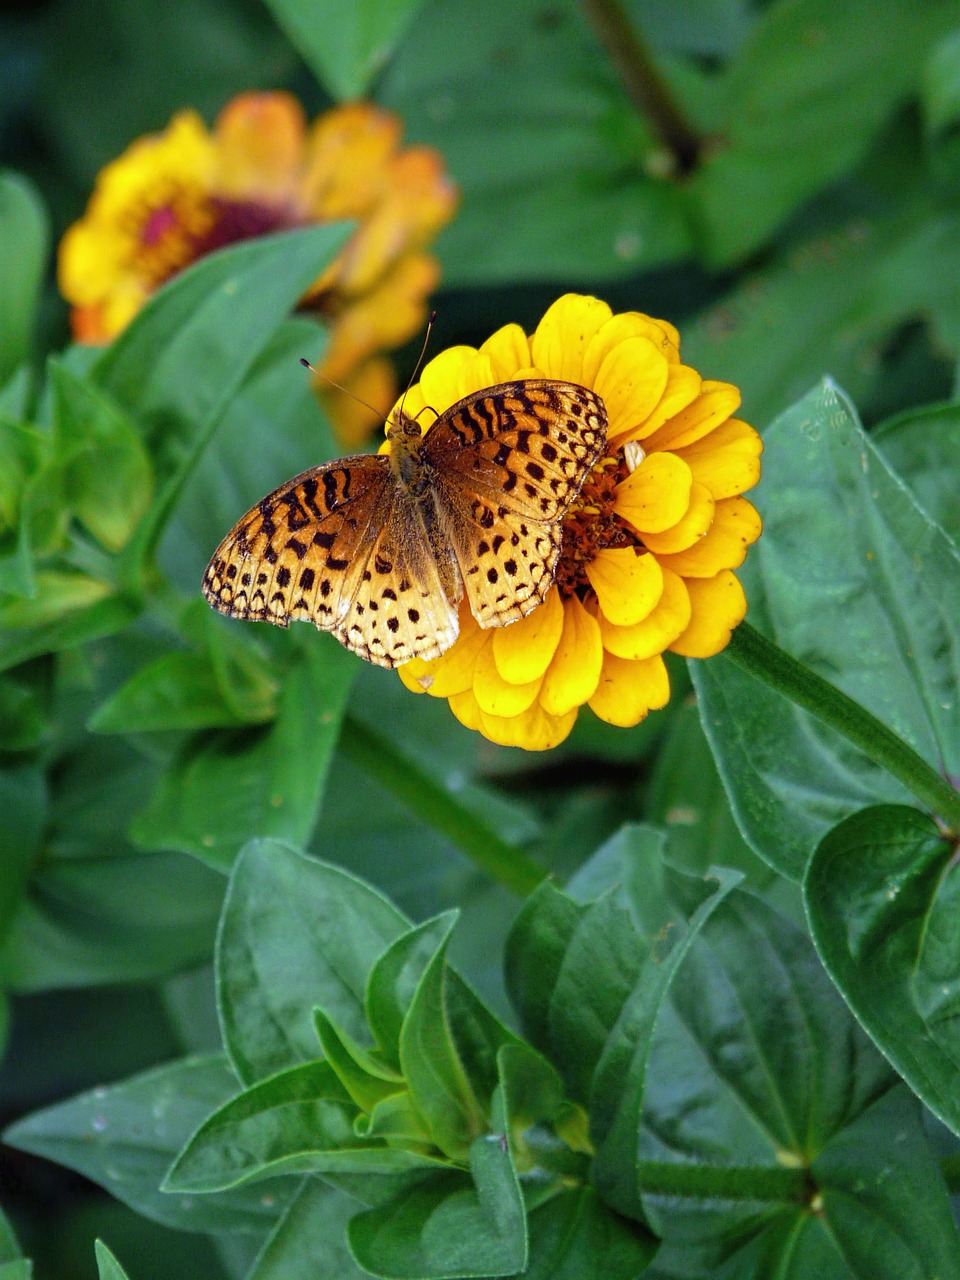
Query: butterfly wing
[508, 461]
[337, 546]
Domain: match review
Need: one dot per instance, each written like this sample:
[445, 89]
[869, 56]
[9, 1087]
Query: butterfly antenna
[323, 377]
[416, 368]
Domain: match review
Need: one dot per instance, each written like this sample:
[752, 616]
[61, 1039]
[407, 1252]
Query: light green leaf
[24, 245]
[108, 1268]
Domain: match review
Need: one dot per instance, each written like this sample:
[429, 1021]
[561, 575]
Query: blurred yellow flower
[175, 196]
[648, 547]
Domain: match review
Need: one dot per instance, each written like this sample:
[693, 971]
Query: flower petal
[689, 531]
[534, 729]
[464, 707]
[563, 334]
[347, 152]
[628, 584]
[453, 671]
[735, 526]
[657, 495]
[523, 650]
[683, 387]
[496, 696]
[508, 350]
[669, 619]
[628, 324]
[727, 460]
[719, 605]
[573, 675]
[453, 374]
[630, 381]
[261, 139]
[628, 690]
[716, 402]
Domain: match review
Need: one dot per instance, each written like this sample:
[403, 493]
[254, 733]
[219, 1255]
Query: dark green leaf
[24, 245]
[801, 104]
[229, 787]
[310, 1239]
[108, 1268]
[124, 1137]
[345, 43]
[395, 977]
[23, 802]
[941, 84]
[295, 933]
[534, 126]
[449, 1227]
[923, 448]
[574, 1236]
[852, 578]
[882, 898]
[21, 716]
[883, 1198]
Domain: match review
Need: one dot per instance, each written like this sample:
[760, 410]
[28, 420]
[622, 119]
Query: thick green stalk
[429, 800]
[769, 663]
[725, 1182]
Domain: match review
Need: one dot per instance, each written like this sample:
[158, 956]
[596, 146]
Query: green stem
[769, 663]
[726, 1182]
[645, 87]
[429, 800]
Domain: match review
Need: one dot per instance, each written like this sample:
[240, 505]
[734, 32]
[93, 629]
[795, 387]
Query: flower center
[591, 525]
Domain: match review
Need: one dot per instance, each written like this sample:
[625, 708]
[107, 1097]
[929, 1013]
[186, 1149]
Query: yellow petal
[683, 387]
[453, 374]
[453, 671]
[727, 460]
[719, 605]
[630, 381]
[507, 350]
[669, 619]
[657, 495]
[564, 333]
[261, 139]
[627, 324]
[628, 690]
[534, 729]
[573, 675]
[496, 696]
[524, 649]
[735, 526]
[464, 707]
[716, 402]
[689, 531]
[628, 584]
[347, 152]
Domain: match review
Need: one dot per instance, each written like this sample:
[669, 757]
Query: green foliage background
[144, 743]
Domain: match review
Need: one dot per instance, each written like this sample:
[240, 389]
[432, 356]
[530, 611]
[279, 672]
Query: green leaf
[883, 1197]
[923, 448]
[23, 801]
[124, 1136]
[801, 104]
[24, 245]
[310, 1239]
[366, 1079]
[228, 787]
[535, 127]
[22, 1269]
[574, 1236]
[180, 362]
[346, 43]
[395, 977]
[941, 85]
[881, 893]
[275, 1127]
[295, 933]
[108, 1268]
[450, 1226]
[22, 722]
[68, 610]
[855, 581]
[185, 690]
[10, 1251]
[107, 474]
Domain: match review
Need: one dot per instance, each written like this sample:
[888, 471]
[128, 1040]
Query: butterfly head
[403, 427]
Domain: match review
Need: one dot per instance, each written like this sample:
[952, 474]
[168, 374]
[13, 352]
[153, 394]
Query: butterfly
[380, 548]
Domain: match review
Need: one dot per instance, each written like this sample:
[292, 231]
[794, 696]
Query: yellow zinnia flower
[648, 546]
[175, 196]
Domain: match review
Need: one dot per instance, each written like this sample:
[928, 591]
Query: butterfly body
[380, 549]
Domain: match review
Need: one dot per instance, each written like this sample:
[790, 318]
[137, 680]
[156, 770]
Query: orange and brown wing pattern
[529, 443]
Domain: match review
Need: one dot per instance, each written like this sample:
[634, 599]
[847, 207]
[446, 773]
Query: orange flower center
[591, 525]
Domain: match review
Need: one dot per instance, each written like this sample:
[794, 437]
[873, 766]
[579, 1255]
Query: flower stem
[645, 87]
[736, 1182]
[430, 800]
[769, 663]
